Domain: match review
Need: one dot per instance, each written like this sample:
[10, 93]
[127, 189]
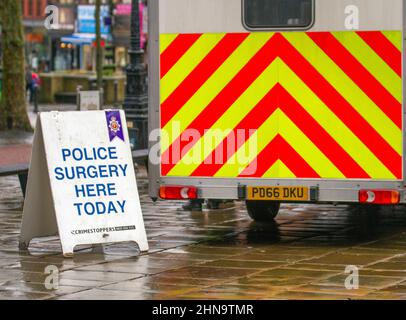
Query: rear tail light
[379, 196]
[177, 193]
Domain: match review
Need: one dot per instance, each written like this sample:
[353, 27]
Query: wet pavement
[218, 254]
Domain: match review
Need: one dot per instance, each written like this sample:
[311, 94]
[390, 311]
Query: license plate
[278, 193]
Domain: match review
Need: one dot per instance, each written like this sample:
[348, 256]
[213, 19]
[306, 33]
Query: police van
[277, 101]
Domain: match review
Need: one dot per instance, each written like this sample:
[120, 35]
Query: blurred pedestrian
[36, 81]
[36, 84]
[28, 81]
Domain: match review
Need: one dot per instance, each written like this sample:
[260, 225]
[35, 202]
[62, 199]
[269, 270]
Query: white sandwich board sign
[81, 182]
[89, 100]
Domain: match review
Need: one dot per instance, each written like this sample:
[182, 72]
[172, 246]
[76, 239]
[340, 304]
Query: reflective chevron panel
[314, 105]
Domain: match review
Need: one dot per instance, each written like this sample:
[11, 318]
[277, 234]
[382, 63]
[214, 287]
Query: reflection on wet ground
[214, 255]
[217, 255]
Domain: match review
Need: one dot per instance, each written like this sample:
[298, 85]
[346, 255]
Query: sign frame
[47, 210]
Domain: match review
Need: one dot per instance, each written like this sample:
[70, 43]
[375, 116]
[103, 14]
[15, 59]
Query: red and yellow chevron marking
[316, 105]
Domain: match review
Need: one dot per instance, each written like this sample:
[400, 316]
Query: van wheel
[263, 211]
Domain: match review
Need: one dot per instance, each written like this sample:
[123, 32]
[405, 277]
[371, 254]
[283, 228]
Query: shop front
[36, 45]
[80, 45]
[64, 56]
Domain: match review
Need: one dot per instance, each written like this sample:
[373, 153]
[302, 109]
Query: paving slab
[218, 254]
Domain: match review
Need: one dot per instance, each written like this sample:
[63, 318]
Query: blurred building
[63, 57]
[36, 37]
[69, 44]
[43, 49]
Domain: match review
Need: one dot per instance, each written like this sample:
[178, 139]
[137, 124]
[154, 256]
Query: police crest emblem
[114, 125]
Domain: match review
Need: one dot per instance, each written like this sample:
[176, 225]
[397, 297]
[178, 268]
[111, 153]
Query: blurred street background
[64, 56]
